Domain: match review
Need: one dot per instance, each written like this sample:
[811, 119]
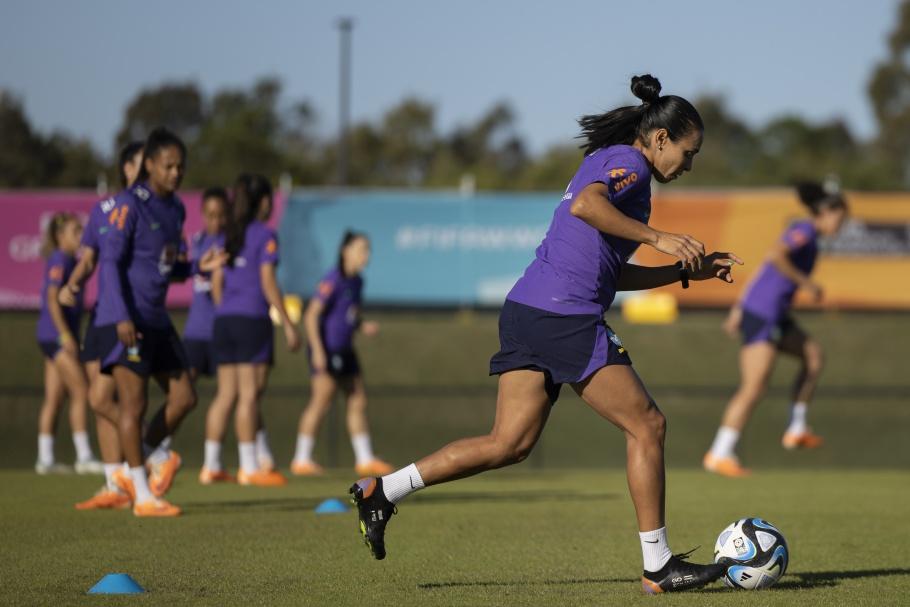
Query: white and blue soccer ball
[755, 553]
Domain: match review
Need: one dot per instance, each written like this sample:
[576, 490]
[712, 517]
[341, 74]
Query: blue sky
[77, 64]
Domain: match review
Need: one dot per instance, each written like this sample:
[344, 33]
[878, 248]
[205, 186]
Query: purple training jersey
[771, 293]
[242, 293]
[57, 271]
[140, 257]
[202, 309]
[576, 267]
[341, 297]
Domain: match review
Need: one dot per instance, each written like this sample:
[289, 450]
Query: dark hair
[126, 155]
[816, 196]
[49, 242]
[349, 237]
[627, 124]
[249, 191]
[158, 139]
[215, 192]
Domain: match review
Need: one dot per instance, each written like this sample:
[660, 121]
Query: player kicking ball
[552, 331]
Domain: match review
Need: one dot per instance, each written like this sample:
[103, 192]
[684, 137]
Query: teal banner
[429, 248]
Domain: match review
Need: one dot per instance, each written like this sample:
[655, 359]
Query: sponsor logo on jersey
[625, 182]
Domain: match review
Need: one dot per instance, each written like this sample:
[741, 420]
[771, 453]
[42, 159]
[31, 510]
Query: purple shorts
[243, 339]
[755, 328]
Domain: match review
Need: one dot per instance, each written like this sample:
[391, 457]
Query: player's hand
[717, 265]
[68, 343]
[292, 336]
[815, 290]
[369, 327]
[127, 334]
[732, 322]
[66, 295]
[683, 247]
[319, 360]
[213, 259]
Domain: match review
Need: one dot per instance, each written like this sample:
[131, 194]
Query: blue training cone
[331, 506]
[116, 583]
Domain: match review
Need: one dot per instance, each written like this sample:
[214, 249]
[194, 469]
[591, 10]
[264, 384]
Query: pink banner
[25, 213]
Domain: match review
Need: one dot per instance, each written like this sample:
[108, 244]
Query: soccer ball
[755, 551]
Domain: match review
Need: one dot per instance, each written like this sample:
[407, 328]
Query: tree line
[256, 129]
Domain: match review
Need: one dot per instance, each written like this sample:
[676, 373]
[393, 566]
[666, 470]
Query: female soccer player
[552, 329]
[57, 333]
[139, 259]
[243, 289]
[197, 333]
[331, 319]
[762, 317]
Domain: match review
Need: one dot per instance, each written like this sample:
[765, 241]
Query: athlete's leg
[366, 462]
[616, 393]
[756, 361]
[132, 392]
[796, 343]
[522, 409]
[70, 368]
[263, 450]
[102, 393]
[54, 392]
[181, 399]
[322, 390]
[216, 420]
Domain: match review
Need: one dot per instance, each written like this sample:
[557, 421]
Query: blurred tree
[889, 91]
[179, 106]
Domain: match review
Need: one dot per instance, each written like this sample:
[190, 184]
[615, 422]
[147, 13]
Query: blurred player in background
[57, 332]
[243, 288]
[197, 333]
[143, 252]
[552, 329]
[762, 318]
[332, 317]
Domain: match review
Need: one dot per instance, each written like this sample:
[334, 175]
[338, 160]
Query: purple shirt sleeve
[90, 233]
[116, 247]
[327, 287]
[798, 235]
[268, 250]
[55, 269]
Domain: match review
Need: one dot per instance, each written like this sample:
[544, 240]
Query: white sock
[46, 449]
[725, 442]
[263, 452]
[109, 470]
[363, 449]
[304, 452]
[655, 550]
[248, 462]
[160, 454]
[141, 484]
[83, 449]
[798, 418]
[213, 455]
[401, 483]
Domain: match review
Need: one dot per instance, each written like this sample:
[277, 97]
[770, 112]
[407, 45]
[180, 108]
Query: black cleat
[679, 574]
[374, 512]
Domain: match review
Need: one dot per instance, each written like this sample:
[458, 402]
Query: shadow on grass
[508, 496]
[809, 579]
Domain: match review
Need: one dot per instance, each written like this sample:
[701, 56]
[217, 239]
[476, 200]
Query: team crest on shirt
[271, 246]
[239, 262]
[614, 173]
[141, 193]
[55, 273]
[325, 288]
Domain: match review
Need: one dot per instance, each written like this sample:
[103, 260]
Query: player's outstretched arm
[638, 278]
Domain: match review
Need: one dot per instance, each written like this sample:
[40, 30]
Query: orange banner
[867, 266]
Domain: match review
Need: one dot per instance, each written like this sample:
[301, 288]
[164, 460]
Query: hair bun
[810, 192]
[646, 87]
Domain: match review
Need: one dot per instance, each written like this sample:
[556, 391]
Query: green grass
[556, 530]
[506, 538]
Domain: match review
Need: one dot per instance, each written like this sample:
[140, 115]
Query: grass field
[557, 530]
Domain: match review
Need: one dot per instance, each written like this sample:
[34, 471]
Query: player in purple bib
[552, 329]
[197, 332]
[102, 387]
[142, 254]
[57, 333]
[762, 317]
[331, 319]
[244, 288]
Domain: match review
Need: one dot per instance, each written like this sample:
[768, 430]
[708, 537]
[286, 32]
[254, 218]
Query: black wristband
[683, 275]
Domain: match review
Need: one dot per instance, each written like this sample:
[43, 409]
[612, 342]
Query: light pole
[345, 26]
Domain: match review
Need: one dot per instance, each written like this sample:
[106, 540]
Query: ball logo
[740, 546]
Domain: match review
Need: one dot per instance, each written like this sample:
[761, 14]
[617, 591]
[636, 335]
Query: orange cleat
[725, 466]
[161, 476]
[374, 467]
[156, 508]
[266, 463]
[262, 478]
[125, 483]
[801, 440]
[209, 477]
[306, 468]
[105, 499]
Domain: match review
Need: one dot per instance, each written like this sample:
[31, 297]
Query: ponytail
[817, 197]
[249, 192]
[50, 240]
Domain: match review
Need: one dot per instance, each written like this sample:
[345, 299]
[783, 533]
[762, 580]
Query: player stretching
[552, 331]
[332, 318]
[243, 288]
[57, 333]
[762, 317]
[142, 253]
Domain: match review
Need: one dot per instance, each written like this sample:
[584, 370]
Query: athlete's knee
[511, 450]
[357, 402]
[814, 358]
[655, 423]
[183, 399]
